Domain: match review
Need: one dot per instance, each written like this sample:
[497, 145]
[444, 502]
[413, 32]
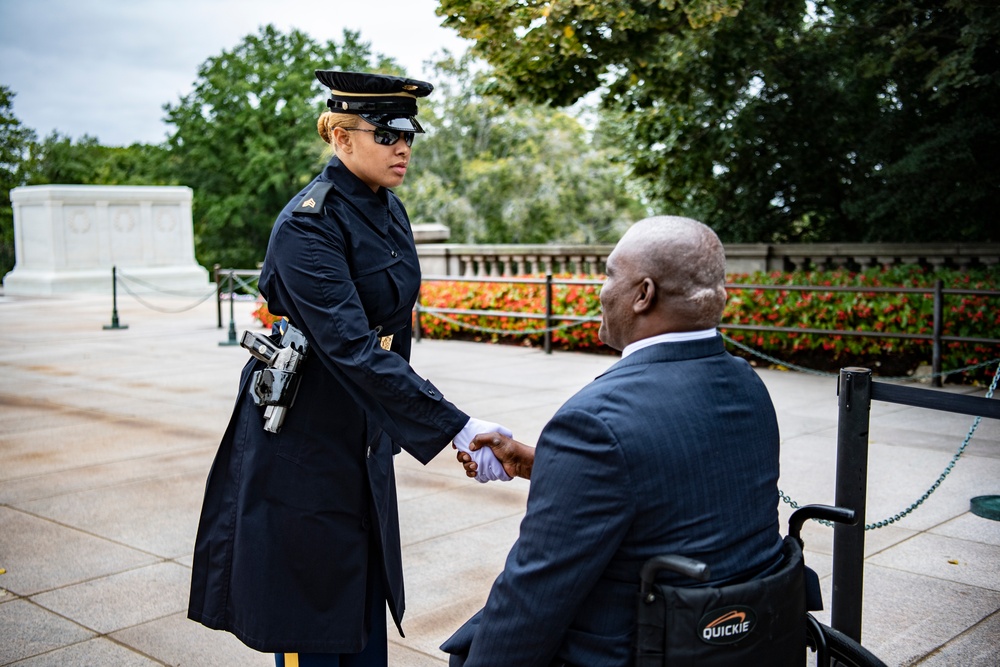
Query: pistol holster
[272, 386]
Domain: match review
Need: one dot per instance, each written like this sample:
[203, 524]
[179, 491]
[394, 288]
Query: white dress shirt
[668, 338]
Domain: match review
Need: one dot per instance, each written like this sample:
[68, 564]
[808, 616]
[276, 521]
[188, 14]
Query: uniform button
[393, 253]
[369, 454]
[364, 524]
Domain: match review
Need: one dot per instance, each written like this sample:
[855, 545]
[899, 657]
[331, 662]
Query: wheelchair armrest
[825, 512]
[689, 567]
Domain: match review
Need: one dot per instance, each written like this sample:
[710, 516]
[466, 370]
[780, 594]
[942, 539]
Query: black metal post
[218, 293]
[232, 320]
[114, 302]
[855, 399]
[938, 328]
[548, 313]
[418, 327]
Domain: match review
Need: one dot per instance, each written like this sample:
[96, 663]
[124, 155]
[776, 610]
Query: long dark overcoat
[295, 523]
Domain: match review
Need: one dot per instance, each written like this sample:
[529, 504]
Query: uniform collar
[372, 205]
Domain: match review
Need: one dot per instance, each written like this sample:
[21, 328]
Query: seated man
[673, 450]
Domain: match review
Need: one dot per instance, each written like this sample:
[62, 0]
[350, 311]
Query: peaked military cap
[389, 102]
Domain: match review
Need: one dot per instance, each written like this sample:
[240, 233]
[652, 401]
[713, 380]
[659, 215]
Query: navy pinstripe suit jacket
[673, 450]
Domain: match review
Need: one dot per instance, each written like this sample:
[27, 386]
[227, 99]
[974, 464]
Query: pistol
[275, 387]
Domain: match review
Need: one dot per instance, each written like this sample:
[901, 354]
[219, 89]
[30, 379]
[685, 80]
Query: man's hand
[516, 457]
[488, 468]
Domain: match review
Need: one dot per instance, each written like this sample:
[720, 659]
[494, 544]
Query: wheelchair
[763, 621]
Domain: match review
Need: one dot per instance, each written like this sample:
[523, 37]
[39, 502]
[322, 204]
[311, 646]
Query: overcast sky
[107, 67]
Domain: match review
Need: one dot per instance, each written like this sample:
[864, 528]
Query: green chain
[927, 494]
[775, 360]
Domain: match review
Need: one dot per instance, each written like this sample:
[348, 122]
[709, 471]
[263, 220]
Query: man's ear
[645, 297]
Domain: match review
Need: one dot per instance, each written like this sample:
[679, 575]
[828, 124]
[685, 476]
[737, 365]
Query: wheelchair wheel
[844, 651]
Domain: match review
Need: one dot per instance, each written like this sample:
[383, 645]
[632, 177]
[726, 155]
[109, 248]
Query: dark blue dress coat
[673, 450]
[295, 524]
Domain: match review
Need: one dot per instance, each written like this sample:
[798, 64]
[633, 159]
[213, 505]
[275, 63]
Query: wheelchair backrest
[758, 622]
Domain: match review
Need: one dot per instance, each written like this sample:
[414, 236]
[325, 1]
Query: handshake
[488, 452]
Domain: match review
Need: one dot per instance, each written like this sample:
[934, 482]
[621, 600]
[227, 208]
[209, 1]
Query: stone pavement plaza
[106, 438]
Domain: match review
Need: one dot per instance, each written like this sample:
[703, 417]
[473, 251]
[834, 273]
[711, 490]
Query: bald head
[678, 269]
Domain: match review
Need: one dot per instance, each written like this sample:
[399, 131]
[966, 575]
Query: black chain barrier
[934, 487]
[439, 313]
[123, 280]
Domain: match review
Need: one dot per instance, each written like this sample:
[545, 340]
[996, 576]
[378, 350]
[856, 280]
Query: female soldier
[298, 544]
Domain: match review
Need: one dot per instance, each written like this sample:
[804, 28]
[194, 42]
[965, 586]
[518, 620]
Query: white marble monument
[67, 238]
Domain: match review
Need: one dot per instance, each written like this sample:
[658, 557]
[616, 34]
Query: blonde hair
[328, 121]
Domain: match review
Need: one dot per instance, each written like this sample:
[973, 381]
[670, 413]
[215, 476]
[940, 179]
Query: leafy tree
[58, 159]
[777, 120]
[930, 164]
[497, 174]
[558, 51]
[15, 146]
[246, 138]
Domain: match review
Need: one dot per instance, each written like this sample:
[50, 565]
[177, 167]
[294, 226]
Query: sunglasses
[385, 137]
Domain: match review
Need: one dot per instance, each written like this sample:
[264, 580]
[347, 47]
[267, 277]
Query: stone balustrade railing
[509, 260]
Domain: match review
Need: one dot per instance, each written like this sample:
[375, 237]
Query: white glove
[488, 467]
